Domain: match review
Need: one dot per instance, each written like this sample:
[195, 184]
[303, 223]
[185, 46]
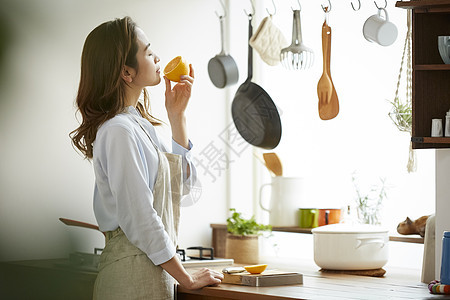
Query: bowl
[444, 48]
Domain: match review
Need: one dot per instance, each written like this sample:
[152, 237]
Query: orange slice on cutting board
[255, 269]
[176, 68]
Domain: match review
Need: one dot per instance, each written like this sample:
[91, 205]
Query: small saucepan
[254, 113]
[222, 68]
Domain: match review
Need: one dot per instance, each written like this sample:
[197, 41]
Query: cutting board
[208, 263]
[267, 278]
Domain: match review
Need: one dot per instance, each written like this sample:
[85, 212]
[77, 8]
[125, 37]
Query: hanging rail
[326, 8]
[299, 6]
[359, 5]
[385, 4]
[224, 11]
[253, 9]
[274, 9]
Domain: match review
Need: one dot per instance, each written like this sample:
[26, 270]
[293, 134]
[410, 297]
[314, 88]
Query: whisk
[297, 56]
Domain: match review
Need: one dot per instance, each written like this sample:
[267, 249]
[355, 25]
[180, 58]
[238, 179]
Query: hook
[385, 4]
[224, 11]
[326, 8]
[274, 9]
[253, 8]
[299, 6]
[359, 5]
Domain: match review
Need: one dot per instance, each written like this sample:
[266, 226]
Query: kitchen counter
[46, 278]
[396, 284]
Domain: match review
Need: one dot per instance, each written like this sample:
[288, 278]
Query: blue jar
[445, 265]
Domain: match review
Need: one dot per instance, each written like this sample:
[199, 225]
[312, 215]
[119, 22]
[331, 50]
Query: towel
[268, 41]
[436, 287]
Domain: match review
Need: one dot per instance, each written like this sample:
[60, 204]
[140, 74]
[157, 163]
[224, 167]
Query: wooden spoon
[273, 163]
[261, 159]
[79, 224]
[328, 100]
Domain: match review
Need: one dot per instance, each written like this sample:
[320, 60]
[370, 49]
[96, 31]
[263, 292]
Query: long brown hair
[101, 93]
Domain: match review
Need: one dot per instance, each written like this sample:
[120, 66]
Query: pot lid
[349, 228]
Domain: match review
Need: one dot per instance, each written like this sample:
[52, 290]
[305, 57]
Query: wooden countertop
[396, 284]
[43, 277]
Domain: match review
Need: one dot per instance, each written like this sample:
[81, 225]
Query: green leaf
[236, 224]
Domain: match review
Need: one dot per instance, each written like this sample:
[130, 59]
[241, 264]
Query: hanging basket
[401, 115]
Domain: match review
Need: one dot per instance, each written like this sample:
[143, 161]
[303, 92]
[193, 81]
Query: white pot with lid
[350, 246]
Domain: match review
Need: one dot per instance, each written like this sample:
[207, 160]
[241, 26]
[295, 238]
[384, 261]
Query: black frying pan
[254, 113]
[222, 68]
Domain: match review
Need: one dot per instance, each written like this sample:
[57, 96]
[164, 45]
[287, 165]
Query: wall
[42, 178]
[361, 140]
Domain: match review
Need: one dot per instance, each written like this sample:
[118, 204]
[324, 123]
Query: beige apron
[126, 272]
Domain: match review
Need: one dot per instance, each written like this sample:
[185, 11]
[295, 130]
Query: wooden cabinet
[431, 77]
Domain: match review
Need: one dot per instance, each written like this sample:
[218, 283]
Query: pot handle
[260, 196]
[368, 241]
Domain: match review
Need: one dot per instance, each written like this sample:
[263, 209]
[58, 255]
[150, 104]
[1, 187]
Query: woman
[138, 184]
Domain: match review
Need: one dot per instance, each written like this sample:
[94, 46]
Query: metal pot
[222, 68]
[350, 247]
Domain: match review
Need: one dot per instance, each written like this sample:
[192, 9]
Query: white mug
[444, 48]
[436, 127]
[287, 195]
[379, 30]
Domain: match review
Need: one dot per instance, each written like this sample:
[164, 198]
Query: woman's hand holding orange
[177, 97]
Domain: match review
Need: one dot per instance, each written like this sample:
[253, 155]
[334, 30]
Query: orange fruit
[255, 269]
[176, 68]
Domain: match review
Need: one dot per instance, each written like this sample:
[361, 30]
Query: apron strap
[146, 132]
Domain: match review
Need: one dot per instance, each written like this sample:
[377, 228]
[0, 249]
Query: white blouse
[125, 166]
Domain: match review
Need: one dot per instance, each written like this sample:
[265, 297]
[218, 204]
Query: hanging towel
[268, 41]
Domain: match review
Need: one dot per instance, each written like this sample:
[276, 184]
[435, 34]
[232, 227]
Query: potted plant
[242, 240]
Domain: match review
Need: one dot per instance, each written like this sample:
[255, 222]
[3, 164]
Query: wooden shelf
[425, 6]
[431, 140]
[434, 67]
[430, 77]
[219, 235]
[294, 229]
[416, 239]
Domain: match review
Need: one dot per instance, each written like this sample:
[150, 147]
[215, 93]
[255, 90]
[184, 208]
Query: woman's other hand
[205, 277]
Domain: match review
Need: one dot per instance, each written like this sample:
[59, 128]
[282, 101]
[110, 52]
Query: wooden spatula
[79, 224]
[273, 163]
[328, 100]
